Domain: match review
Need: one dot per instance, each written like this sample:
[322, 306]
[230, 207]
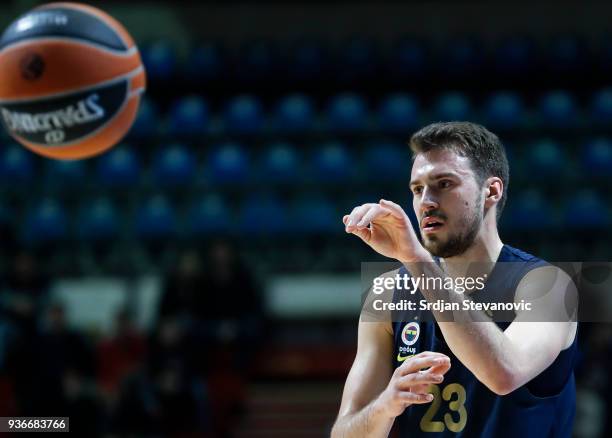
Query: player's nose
[428, 201]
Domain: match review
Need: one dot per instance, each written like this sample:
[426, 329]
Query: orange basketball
[70, 82]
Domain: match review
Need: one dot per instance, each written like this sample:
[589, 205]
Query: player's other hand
[387, 229]
[410, 382]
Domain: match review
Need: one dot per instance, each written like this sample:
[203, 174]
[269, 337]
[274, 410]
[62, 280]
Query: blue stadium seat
[119, 167]
[209, 214]
[558, 109]
[601, 106]
[229, 164]
[243, 115]
[332, 162]
[347, 113]
[205, 62]
[173, 166]
[46, 222]
[155, 219]
[597, 158]
[515, 55]
[387, 161]
[308, 60]
[315, 215]
[188, 116]
[398, 113]
[529, 211]
[504, 110]
[66, 174]
[262, 214]
[159, 59]
[280, 164]
[147, 120]
[453, 107]
[461, 56]
[586, 209]
[546, 159]
[98, 220]
[294, 113]
[409, 58]
[16, 165]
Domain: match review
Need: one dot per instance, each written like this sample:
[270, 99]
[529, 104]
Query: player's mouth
[431, 225]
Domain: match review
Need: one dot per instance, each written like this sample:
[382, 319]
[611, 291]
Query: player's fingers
[372, 214]
[422, 354]
[440, 369]
[419, 362]
[420, 389]
[410, 397]
[363, 233]
[357, 214]
[394, 208]
[419, 378]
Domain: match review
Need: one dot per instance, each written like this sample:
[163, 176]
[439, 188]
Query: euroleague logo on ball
[410, 334]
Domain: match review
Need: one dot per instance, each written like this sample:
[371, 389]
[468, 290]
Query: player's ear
[494, 191]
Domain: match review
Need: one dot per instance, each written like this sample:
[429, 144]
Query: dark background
[196, 279]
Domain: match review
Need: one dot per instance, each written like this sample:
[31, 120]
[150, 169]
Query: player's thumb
[364, 234]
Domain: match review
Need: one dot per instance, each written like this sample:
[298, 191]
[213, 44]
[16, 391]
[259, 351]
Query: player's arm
[536, 337]
[506, 360]
[374, 393]
[502, 361]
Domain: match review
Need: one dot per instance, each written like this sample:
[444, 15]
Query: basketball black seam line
[80, 41]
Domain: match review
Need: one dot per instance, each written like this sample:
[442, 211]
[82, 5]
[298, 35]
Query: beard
[458, 242]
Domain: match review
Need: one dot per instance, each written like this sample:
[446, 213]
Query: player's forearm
[471, 335]
[483, 349]
[370, 422]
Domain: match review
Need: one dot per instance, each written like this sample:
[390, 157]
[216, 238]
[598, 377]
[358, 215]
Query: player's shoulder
[510, 253]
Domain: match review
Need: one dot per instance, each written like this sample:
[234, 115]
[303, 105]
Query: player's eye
[445, 183]
[417, 190]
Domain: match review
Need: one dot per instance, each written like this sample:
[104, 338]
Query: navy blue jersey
[463, 406]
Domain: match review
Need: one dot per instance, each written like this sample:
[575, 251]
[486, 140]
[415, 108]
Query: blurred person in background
[217, 303]
[167, 396]
[25, 290]
[120, 354]
[65, 358]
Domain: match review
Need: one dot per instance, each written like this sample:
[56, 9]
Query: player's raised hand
[410, 382]
[387, 229]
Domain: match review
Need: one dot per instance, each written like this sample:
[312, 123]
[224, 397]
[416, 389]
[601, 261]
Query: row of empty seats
[234, 163]
[350, 112]
[158, 217]
[362, 56]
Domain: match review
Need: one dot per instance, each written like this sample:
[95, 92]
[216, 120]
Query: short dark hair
[483, 148]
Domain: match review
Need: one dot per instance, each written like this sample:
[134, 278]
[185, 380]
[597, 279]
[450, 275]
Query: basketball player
[470, 376]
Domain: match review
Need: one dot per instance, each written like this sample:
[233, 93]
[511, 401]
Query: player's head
[459, 177]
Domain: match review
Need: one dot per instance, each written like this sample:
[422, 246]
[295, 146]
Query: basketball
[71, 80]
